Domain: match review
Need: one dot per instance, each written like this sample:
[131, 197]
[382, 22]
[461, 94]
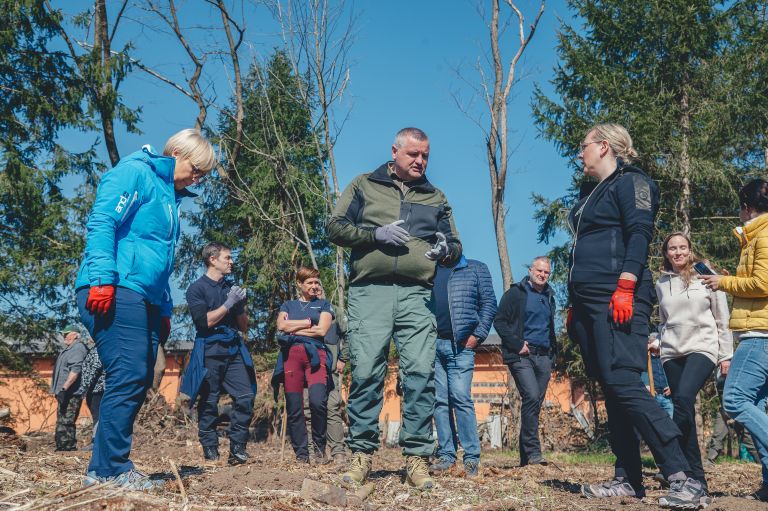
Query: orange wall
[489, 386]
[34, 409]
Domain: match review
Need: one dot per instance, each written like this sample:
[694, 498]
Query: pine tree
[688, 80]
[269, 204]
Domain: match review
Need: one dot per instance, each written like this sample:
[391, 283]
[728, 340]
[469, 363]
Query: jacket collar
[461, 264]
[523, 284]
[381, 175]
[750, 229]
[163, 166]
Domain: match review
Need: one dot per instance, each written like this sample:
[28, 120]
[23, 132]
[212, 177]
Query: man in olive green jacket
[399, 226]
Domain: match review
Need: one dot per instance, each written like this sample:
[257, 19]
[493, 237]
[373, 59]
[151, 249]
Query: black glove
[62, 397]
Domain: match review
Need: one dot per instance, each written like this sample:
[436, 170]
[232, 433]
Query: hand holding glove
[100, 299]
[621, 301]
[392, 234]
[439, 250]
[236, 295]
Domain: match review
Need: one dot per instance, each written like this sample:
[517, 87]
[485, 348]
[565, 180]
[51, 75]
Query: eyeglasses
[197, 174]
[585, 144]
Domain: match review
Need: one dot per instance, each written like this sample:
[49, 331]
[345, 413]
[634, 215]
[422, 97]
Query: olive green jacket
[373, 200]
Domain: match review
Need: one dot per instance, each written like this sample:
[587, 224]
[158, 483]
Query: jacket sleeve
[662, 312]
[487, 303]
[756, 284]
[719, 305]
[343, 229]
[117, 198]
[638, 201]
[447, 226]
[507, 323]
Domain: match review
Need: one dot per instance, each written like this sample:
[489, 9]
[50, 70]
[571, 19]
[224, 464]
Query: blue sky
[403, 73]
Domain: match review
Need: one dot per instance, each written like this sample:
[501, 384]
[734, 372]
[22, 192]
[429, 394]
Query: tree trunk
[103, 92]
[684, 206]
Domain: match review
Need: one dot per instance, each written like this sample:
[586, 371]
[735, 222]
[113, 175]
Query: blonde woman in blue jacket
[123, 294]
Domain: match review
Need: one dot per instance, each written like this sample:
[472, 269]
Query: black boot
[237, 454]
[211, 452]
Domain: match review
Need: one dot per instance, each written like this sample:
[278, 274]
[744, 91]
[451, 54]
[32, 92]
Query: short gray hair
[414, 133]
[541, 258]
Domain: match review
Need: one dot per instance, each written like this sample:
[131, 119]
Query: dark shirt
[204, 296]
[442, 309]
[298, 309]
[537, 317]
[334, 334]
[659, 378]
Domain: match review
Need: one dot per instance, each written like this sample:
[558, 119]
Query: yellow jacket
[750, 285]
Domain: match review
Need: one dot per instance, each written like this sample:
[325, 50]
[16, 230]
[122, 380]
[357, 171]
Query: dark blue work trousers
[225, 374]
[616, 355]
[126, 340]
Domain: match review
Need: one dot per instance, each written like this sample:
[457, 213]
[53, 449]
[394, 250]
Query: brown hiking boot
[417, 472]
[359, 468]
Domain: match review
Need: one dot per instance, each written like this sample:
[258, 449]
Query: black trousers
[615, 356]
[531, 374]
[686, 376]
[227, 374]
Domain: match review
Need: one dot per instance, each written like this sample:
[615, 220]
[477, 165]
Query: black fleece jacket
[613, 227]
[510, 321]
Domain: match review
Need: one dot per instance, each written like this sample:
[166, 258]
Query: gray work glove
[439, 249]
[392, 234]
[236, 295]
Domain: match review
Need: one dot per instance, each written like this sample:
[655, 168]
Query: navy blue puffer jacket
[471, 299]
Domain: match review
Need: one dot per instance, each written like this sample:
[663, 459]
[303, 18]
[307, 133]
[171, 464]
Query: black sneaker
[211, 452]
[441, 465]
[761, 494]
[685, 494]
[616, 487]
[659, 478]
[237, 454]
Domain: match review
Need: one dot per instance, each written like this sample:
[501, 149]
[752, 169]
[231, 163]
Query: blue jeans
[746, 387]
[126, 340]
[454, 366]
[665, 402]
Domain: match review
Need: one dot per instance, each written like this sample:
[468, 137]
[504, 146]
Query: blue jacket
[134, 227]
[195, 373]
[471, 300]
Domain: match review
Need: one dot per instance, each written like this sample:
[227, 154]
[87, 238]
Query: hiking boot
[211, 452]
[441, 465]
[359, 468]
[761, 494]
[471, 468]
[340, 458]
[417, 472]
[237, 454]
[616, 487]
[538, 461]
[131, 480]
[685, 494]
[320, 458]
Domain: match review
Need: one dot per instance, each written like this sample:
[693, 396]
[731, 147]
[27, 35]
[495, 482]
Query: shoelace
[419, 465]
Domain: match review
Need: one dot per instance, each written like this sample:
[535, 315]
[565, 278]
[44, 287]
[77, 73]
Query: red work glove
[165, 329]
[100, 299]
[621, 301]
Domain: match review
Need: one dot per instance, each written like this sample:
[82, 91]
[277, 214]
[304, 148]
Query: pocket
[629, 346]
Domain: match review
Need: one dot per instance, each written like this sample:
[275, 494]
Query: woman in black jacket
[611, 292]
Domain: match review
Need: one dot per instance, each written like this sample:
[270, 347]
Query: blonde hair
[618, 139]
[191, 144]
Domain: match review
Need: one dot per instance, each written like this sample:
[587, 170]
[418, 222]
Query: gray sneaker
[685, 494]
[616, 487]
[131, 480]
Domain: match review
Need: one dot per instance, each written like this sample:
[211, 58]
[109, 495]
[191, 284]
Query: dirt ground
[34, 477]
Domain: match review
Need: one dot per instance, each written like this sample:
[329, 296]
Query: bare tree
[318, 37]
[495, 88]
[102, 71]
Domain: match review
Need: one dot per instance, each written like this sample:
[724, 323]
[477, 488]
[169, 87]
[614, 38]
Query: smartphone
[703, 269]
